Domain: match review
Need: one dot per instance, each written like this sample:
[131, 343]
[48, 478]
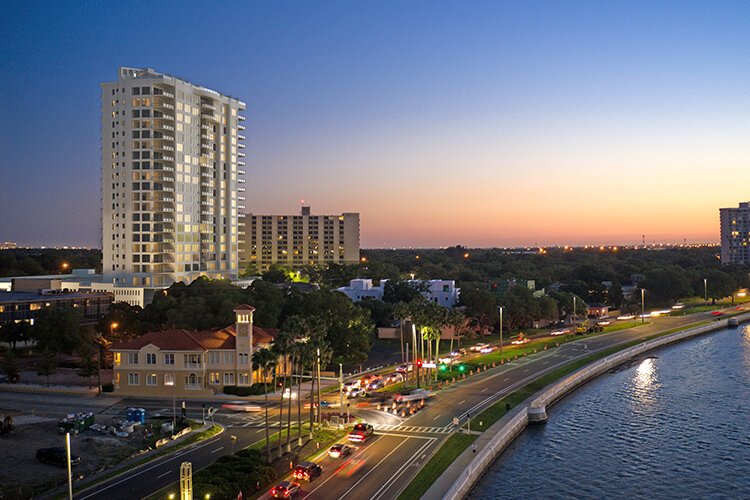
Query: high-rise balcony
[205, 126]
[163, 146]
[241, 118]
[163, 104]
[167, 189]
[240, 145]
[207, 105]
[164, 136]
[240, 137]
[240, 198]
[206, 136]
[241, 127]
[163, 157]
[241, 163]
[241, 172]
[163, 115]
[160, 125]
[240, 189]
[240, 154]
[208, 116]
[241, 207]
[240, 180]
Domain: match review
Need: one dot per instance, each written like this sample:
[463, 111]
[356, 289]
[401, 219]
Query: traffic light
[419, 363]
[461, 368]
[443, 367]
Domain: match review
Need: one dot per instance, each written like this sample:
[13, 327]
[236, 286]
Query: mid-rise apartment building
[299, 240]
[735, 234]
[172, 167]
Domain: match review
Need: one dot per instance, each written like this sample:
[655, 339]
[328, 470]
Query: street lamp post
[173, 382]
[705, 291]
[318, 386]
[643, 305]
[501, 329]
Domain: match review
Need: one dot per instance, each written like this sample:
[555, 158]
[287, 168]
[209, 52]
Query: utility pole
[408, 375]
[705, 291]
[643, 305]
[70, 474]
[318, 386]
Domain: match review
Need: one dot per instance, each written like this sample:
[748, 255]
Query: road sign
[429, 365]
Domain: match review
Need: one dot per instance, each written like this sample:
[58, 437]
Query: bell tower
[244, 328]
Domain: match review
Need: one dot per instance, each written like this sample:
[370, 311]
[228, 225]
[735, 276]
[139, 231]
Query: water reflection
[645, 381]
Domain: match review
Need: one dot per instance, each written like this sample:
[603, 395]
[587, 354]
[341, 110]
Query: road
[381, 467]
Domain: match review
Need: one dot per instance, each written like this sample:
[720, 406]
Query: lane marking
[506, 379]
[374, 468]
[162, 475]
[462, 402]
[383, 489]
[436, 418]
[483, 390]
[218, 449]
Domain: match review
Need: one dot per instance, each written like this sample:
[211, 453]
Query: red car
[717, 313]
[361, 432]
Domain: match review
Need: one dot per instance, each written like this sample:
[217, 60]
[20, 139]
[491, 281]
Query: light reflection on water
[673, 425]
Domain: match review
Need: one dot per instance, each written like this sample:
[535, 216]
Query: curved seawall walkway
[456, 481]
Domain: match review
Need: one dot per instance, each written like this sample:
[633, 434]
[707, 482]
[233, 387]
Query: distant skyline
[441, 123]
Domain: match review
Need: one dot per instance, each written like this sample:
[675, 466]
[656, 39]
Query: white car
[357, 392]
[478, 347]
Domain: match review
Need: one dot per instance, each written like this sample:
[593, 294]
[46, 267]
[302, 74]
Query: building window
[229, 379]
[244, 379]
[169, 379]
[214, 358]
[133, 379]
[243, 358]
[151, 379]
[169, 359]
[151, 358]
[213, 378]
[132, 358]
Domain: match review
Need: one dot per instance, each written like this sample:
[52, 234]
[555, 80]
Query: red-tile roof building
[191, 363]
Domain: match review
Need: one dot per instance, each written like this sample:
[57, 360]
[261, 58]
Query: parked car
[56, 456]
[339, 451]
[307, 471]
[361, 432]
[285, 489]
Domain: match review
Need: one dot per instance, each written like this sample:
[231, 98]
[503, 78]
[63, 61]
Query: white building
[172, 158]
[441, 292]
[735, 234]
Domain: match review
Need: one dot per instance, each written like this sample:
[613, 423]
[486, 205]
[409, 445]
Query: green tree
[47, 365]
[89, 366]
[720, 285]
[481, 307]
[667, 285]
[10, 367]
[57, 329]
[12, 333]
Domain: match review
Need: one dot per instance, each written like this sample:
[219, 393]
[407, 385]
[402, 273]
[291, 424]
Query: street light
[705, 291]
[643, 305]
[173, 383]
[501, 329]
[318, 350]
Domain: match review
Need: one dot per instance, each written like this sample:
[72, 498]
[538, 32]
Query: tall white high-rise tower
[172, 167]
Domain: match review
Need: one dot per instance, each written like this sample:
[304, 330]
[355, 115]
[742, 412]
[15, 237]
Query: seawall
[505, 430]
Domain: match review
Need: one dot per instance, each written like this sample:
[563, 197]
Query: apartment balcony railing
[240, 189]
[240, 154]
[241, 118]
[241, 198]
[162, 126]
[241, 127]
[162, 104]
[241, 207]
[193, 366]
[240, 145]
[208, 105]
[240, 137]
[167, 189]
[241, 163]
[241, 172]
[209, 116]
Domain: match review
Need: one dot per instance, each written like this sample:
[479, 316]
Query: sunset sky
[442, 123]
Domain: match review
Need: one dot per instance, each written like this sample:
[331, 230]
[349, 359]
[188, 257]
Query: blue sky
[480, 123]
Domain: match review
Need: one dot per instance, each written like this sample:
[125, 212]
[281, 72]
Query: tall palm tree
[281, 348]
[265, 360]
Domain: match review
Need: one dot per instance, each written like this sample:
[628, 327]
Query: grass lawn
[447, 453]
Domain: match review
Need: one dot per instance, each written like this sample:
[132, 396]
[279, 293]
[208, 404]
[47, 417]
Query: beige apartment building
[172, 167]
[190, 363]
[298, 240]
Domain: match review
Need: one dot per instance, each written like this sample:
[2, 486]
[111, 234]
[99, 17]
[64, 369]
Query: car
[716, 313]
[478, 347]
[348, 386]
[56, 456]
[285, 489]
[368, 379]
[405, 368]
[394, 378]
[339, 451]
[361, 432]
[487, 349]
[307, 471]
[356, 393]
[375, 385]
[446, 360]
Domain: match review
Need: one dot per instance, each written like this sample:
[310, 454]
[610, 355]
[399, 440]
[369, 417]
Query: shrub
[108, 387]
[253, 390]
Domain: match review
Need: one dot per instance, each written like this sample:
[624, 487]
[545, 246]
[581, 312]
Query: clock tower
[244, 330]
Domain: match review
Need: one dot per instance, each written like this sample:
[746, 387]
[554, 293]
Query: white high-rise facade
[172, 167]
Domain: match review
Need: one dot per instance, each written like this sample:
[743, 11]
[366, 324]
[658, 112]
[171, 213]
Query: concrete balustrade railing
[508, 429]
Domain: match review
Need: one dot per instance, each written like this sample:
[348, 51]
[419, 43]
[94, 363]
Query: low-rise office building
[191, 363]
[441, 292]
[25, 305]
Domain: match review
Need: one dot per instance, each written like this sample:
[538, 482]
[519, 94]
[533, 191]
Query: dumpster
[76, 422]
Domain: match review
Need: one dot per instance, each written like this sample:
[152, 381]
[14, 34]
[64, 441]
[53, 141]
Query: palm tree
[265, 360]
[281, 348]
